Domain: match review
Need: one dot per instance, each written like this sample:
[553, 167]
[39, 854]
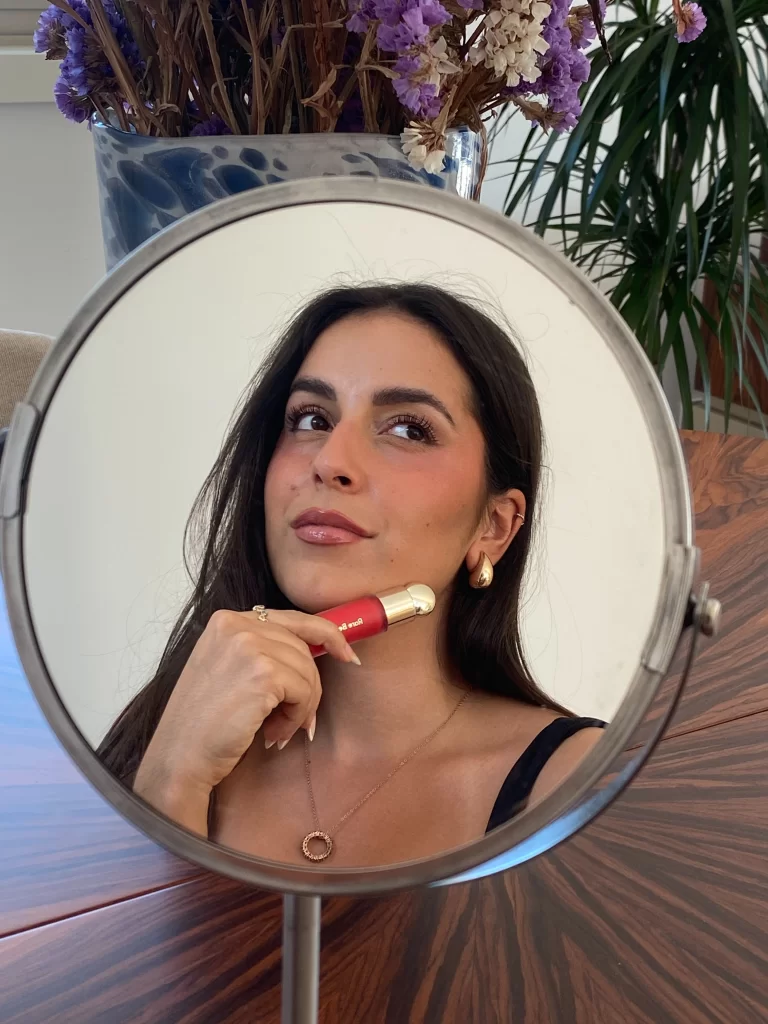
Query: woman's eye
[310, 421]
[411, 431]
[416, 430]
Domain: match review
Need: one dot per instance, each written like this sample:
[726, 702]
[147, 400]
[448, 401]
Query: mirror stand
[301, 959]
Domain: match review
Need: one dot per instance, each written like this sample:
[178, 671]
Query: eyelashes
[294, 416]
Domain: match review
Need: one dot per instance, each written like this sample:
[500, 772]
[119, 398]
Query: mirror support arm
[301, 959]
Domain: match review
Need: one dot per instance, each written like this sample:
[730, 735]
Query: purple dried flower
[73, 106]
[49, 34]
[407, 65]
[411, 31]
[362, 13]
[406, 23]
[471, 5]
[388, 12]
[433, 13]
[691, 22]
[563, 68]
[85, 67]
[419, 97]
[213, 126]
[419, 78]
[582, 25]
[357, 23]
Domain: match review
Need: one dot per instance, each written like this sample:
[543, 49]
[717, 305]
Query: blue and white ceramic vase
[147, 183]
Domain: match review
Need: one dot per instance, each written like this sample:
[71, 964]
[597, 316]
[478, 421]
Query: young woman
[393, 437]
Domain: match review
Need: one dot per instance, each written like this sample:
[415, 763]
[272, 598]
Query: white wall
[50, 238]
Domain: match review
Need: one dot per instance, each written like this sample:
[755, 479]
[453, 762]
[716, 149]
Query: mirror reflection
[393, 437]
[355, 566]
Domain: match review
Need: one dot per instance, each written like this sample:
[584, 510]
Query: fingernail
[269, 743]
[353, 657]
[311, 729]
[281, 744]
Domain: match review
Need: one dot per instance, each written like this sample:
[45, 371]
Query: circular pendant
[317, 856]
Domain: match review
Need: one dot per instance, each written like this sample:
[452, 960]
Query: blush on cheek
[286, 473]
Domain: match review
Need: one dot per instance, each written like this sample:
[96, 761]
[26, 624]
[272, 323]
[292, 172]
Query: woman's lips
[314, 533]
[327, 526]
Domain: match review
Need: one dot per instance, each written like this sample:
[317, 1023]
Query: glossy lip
[328, 517]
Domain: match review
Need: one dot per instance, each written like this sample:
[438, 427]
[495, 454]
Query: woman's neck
[392, 702]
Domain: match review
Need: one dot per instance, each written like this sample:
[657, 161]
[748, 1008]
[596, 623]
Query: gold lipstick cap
[407, 602]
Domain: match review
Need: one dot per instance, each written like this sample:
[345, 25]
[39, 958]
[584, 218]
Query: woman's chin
[313, 596]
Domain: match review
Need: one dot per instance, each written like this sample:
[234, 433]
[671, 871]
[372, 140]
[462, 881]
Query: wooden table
[657, 913]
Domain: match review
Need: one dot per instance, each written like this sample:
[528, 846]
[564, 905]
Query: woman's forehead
[385, 349]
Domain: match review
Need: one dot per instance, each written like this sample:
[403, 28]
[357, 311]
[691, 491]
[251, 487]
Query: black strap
[514, 794]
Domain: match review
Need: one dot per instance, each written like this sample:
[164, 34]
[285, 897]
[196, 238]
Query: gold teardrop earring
[481, 576]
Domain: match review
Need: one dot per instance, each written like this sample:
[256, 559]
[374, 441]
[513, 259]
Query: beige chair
[20, 355]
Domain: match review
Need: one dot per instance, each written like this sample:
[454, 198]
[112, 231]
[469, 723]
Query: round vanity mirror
[374, 401]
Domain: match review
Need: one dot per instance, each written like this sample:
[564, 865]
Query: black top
[513, 795]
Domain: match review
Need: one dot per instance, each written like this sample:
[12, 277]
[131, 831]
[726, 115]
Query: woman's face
[378, 429]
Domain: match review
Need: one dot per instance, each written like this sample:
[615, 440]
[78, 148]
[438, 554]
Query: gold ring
[263, 613]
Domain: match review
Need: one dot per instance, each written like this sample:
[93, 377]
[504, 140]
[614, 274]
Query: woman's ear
[501, 522]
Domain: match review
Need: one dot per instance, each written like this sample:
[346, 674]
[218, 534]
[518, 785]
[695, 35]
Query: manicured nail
[353, 657]
[269, 743]
[282, 744]
[312, 727]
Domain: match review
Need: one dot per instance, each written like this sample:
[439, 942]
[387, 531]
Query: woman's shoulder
[515, 730]
[565, 758]
[507, 721]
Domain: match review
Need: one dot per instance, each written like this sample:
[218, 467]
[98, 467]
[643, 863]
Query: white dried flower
[424, 147]
[512, 39]
[439, 60]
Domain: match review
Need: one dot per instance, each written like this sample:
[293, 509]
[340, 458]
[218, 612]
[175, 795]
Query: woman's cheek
[285, 474]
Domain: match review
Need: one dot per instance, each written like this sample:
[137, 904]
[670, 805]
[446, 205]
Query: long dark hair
[482, 626]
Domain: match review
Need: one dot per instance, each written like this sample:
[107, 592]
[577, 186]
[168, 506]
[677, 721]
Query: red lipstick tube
[369, 616]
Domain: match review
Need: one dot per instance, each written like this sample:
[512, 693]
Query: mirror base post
[301, 959]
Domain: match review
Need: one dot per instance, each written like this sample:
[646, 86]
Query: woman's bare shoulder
[504, 719]
[509, 726]
[564, 761]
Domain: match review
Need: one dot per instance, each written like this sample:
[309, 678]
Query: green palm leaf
[663, 185]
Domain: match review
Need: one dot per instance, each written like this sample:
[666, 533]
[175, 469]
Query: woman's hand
[242, 676]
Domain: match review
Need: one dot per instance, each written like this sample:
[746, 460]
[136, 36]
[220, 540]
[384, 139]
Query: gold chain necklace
[324, 836]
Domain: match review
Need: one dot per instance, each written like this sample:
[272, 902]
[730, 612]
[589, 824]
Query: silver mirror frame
[643, 714]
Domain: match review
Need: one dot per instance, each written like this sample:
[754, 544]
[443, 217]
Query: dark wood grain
[656, 914]
[63, 849]
[729, 482]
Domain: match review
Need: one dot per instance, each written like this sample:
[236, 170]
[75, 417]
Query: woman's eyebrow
[385, 396]
[411, 396]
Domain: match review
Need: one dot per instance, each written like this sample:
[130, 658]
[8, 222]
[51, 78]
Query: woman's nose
[341, 460]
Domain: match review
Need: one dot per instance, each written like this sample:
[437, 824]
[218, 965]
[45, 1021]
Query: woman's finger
[297, 659]
[312, 629]
[296, 700]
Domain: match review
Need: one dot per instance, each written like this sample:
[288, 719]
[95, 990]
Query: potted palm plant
[661, 191]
